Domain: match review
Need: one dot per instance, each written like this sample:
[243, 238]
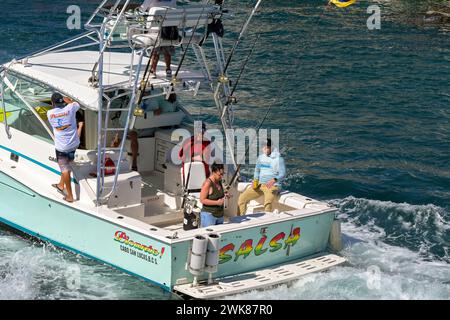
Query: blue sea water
[364, 118]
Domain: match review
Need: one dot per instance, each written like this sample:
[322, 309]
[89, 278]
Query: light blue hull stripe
[38, 236]
[34, 161]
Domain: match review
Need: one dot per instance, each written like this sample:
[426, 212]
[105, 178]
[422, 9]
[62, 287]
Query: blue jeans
[207, 219]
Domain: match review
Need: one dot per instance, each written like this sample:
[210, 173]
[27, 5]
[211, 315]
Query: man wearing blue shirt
[270, 170]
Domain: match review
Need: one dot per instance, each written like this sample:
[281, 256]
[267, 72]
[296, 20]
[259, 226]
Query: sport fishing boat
[145, 222]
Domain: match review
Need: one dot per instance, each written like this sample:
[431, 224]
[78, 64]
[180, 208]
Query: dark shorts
[64, 159]
[165, 50]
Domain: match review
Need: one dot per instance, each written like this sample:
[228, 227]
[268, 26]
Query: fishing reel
[94, 81]
[232, 99]
[139, 112]
[191, 213]
[175, 81]
[223, 79]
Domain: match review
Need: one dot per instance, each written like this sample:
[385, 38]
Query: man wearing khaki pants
[269, 172]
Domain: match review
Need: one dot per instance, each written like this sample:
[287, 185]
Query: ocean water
[364, 118]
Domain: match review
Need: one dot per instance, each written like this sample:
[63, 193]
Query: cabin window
[20, 117]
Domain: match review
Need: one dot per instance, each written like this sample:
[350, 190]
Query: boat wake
[34, 270]
[394, 251]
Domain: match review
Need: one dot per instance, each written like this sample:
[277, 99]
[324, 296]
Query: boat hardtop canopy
[69, 73]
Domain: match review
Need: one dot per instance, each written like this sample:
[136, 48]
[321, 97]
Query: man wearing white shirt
[63, 120]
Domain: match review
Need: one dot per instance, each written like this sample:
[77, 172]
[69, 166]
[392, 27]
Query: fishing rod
[231, 98]
[186, 183]
[241, 34]
[191, 154]
[174, 79]
[223, 79]
[146, 76]
[238, 168]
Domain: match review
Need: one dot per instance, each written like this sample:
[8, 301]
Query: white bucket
[199, 245]
[212, 253]
[197, 264]
[198, 255]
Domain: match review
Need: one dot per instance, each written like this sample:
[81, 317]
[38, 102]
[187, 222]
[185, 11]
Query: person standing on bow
[212, 196]
[270, 170]
[63, 120]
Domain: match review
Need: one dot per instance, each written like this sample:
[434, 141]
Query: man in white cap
[63, 120]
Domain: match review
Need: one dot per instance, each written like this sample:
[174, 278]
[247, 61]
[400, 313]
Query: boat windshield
[19, 116]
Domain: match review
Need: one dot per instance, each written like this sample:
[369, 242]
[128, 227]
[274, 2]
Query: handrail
[100, 155]
[174, 79]
[5, 121]
[52, 47]
[122, 143]
[87, 24]
[146, 75]
[76, 47]
[117, 20]
[104, 42]
[59, 44]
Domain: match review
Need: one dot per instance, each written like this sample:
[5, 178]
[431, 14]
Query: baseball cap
[57, 99]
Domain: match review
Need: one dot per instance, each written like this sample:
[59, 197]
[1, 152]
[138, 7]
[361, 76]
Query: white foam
[30, 271]
[37, 271]
[376, 270]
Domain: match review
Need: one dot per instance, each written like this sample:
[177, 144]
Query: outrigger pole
[223, 81]
[241, 34]
[103, 44]
[231, 98]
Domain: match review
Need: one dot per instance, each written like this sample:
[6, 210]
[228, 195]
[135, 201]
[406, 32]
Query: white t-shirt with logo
[64, 123]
